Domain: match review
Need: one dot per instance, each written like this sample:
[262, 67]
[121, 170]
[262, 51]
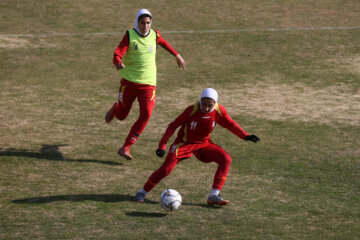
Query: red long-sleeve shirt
[124, 45]
[196, 126]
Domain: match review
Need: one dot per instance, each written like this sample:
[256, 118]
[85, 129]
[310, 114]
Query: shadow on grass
[80, 198]
[202, 205]
[145, 214]
[48, 152]
[107, 198]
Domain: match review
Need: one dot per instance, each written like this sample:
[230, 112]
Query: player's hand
[160, 152]
[181, 62]
[120, 66]
[252, 138]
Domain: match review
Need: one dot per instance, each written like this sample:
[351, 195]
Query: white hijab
[138, 14]
[209, 93]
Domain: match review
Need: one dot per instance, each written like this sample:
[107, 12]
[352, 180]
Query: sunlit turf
[60, 176]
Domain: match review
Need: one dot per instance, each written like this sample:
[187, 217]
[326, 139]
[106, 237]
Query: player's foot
[139, 197]
[110, 114]
[124, 153]
[216, 200]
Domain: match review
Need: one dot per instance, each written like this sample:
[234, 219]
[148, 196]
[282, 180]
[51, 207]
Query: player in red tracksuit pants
[135, 59]
[197, 123]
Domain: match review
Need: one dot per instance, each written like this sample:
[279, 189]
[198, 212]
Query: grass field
[287, 71]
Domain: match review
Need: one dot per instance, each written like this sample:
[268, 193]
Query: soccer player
[134, 58]
[193, 138]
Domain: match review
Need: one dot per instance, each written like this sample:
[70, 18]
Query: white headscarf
[210, 93]
[138, 14]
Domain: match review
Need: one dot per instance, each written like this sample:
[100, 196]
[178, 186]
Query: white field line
[186, 31]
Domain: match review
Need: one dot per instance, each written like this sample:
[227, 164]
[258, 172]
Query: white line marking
[186, 31]
[265, 30]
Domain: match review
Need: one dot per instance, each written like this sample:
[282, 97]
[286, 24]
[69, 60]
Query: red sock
[218, 182]
[149, 185]
[130, 140]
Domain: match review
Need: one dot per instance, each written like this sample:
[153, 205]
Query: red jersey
[124, 45]
[196, 126]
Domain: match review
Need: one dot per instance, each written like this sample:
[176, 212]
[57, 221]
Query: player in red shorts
[135, 59]
[193, 138]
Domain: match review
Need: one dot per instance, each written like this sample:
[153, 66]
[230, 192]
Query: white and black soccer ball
[170, 200]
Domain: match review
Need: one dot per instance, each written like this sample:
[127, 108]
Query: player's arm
[162, 42]
[179, 121]
[120, 52]
[227, 122]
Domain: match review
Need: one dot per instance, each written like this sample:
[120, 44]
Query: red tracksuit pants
[128, 92]
[205, 152]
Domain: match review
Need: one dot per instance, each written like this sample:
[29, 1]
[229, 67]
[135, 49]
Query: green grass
[60, 176]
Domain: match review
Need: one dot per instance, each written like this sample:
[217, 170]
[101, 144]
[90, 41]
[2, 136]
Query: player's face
[144, 24]
[206, 105]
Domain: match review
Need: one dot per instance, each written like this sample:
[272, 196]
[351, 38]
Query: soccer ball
[170, 200]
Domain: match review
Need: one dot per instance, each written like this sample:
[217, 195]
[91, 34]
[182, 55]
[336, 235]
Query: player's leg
[121, 108]
[214, 153]
[146, 98]
[165, 169]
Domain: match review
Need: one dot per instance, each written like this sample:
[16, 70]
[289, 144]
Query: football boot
[125, 153]
[216, 200]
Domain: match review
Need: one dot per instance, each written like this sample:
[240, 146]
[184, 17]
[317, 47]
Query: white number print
[120, 97]
[193, 125]
[172, 150]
